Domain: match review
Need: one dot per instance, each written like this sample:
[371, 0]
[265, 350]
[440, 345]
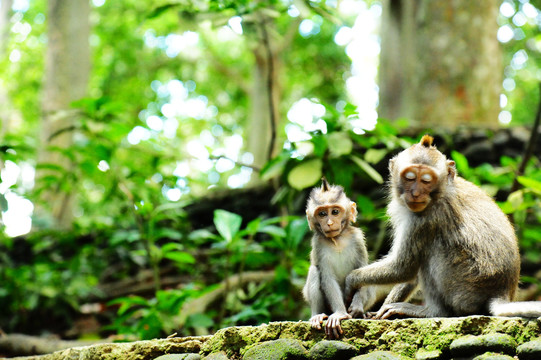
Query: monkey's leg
[399, 293]
[363, 299]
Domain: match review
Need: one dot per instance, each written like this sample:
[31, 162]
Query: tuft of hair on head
[325, 184]
[426, 140]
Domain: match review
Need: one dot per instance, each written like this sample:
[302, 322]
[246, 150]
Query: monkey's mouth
[332, 233]
[417, 206]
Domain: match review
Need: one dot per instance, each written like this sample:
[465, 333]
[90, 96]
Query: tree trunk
[441, 62]
[5, 103]
[67, 68]
[265, 116]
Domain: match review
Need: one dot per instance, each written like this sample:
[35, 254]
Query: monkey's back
[474, 254]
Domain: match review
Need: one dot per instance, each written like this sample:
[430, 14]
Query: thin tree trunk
[6, 109]
[264, 118]
[441, 62]
[67, 68]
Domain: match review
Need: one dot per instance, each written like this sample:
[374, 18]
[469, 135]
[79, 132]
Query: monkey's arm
[335, 299]
[331, 290]
[363, 299]
[313, 295]
[396, 268]
[401, 292]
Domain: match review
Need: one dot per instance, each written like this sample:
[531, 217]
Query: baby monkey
[337, 249]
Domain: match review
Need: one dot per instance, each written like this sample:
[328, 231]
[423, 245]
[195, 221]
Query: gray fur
[325, 284]
[461, 249]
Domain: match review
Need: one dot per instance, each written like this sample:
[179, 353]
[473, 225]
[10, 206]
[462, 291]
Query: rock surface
[474, 337]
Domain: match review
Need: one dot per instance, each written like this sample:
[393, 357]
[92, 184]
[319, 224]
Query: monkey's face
[417, 182]
[331, 220]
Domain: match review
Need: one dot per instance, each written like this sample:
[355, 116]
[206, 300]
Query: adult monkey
[450, 238]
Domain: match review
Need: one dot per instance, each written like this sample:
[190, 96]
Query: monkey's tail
[502, 307]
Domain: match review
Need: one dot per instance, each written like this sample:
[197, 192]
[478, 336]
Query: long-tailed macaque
[337, 248]
[450, 238]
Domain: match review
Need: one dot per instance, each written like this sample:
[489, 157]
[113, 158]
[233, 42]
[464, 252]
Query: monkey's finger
[371, 315]
[329, 327]
[337, 330]
[388, 313]
[382, 312]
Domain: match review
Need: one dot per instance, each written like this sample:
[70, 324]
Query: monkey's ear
[324, 184]
[309, 222]
[451, 170]
[353, 212]
[391, 165]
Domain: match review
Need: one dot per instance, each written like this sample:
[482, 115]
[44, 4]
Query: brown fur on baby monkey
[450, 238]
[337, 249]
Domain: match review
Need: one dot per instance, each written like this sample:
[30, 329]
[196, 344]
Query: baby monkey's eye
[335, 212]
[410, 175]
[322, 213]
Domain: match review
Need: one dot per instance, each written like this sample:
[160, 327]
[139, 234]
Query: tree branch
[530, 147]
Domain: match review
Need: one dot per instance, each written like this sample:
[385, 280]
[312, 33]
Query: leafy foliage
[139, 158]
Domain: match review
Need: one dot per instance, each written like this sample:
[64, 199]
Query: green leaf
[3, 203]
[201, 235]
[530, 183]
[273, 230]
[296, 230]
[374, 156]
[306, 174]
[506, 207]
[253, 226]
[369, 170]
[180, 257]
[340, 144]
[461, 161]
[275, 166]
[366, 207]
[516, 199]
[227, 224]
[171, 246]
[320, 145]
[350, 109]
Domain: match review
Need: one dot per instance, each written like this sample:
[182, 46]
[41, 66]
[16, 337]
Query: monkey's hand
[317, 320]
[333, 328]
[356, 310]
[401, 310]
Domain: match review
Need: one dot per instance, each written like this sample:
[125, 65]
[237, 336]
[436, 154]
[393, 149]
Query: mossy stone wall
[474, 337]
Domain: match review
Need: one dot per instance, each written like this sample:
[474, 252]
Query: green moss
[405, 337]
[428, 355]
[280, 349]
[332, 349]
